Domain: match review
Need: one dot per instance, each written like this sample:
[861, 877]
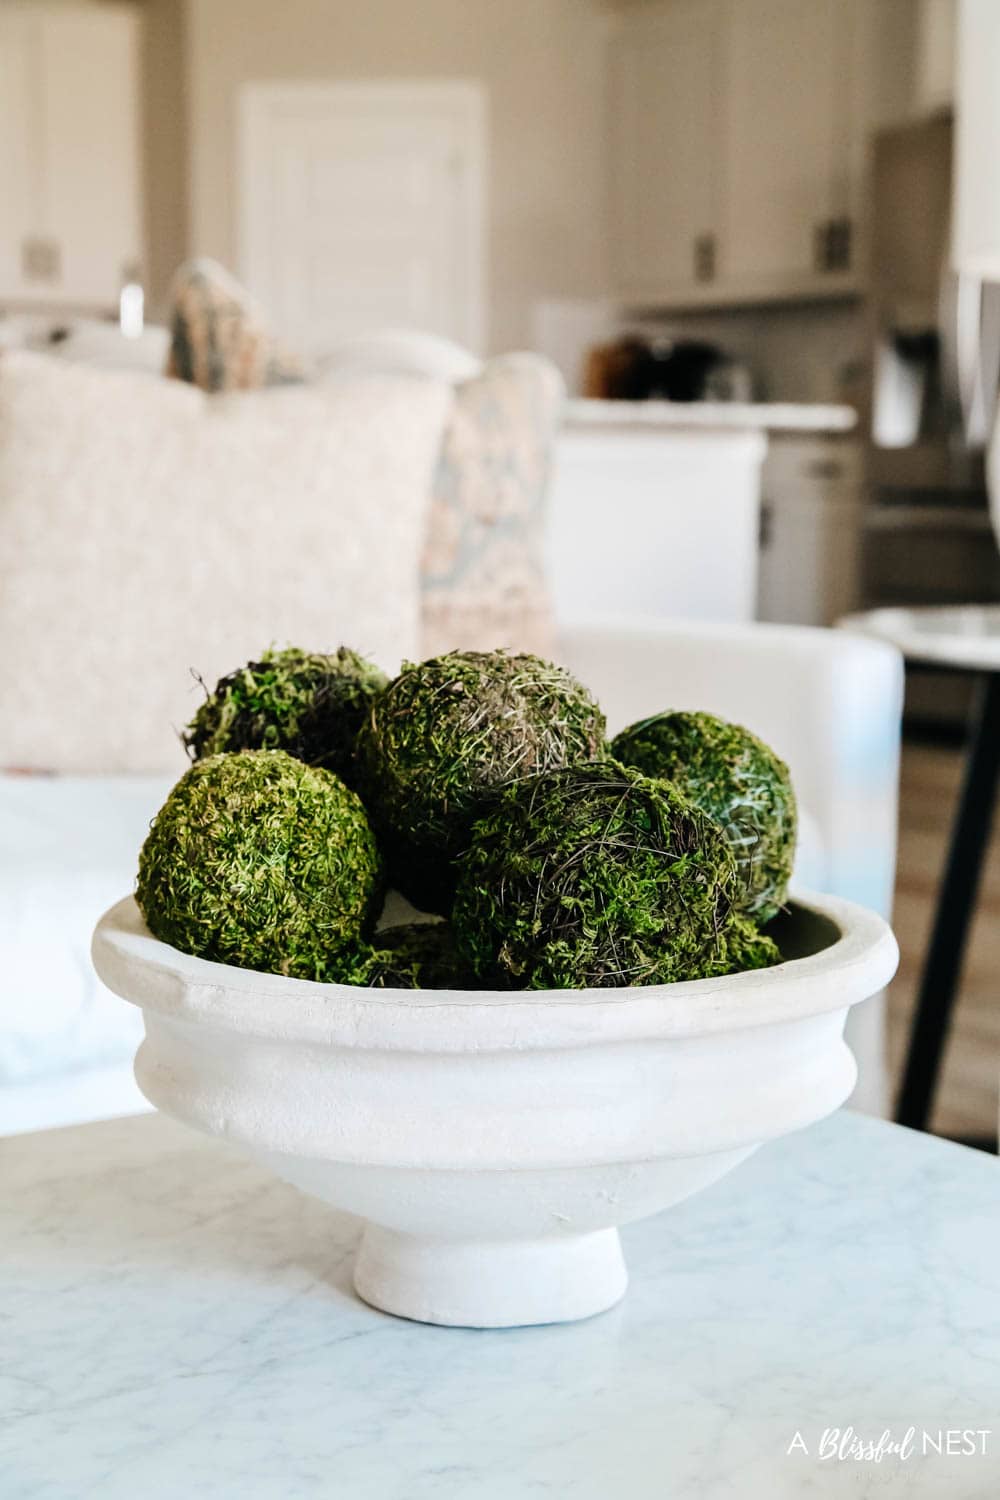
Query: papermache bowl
[493, 1143]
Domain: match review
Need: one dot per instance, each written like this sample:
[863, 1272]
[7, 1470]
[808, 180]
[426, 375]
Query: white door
[665, 72]
[362, 207]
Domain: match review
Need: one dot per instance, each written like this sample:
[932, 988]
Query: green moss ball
[444, 735]
[416, 956]
[596, 876]
[260, 861]
[738, 781]
[308, 704]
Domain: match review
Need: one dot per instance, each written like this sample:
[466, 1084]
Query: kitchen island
[655, 506]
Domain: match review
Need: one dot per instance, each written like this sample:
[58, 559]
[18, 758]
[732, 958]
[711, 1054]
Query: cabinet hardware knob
[41, 259]
[704, 257]
[823, 245]
[833, 244]
[825, 468]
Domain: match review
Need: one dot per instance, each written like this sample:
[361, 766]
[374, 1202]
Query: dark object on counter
[632, 369]
[625, 370]
[683, 370]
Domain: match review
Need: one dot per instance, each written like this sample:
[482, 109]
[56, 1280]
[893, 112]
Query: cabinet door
[19, 166]
[976, 245]
[810, 531]
[91, 209]
[787, 96]
[665, 82]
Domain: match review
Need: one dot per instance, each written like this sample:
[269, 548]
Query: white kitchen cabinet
[787, 210]
[976, 241]
[70, 231]
[665, 79]
[810, 534]
[934, 84]
[18, 141]
[660, 522]
[736, 153]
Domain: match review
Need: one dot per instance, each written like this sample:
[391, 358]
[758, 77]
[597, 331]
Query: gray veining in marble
[175, 1323]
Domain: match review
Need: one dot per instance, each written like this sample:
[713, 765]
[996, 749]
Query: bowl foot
[491, 1284]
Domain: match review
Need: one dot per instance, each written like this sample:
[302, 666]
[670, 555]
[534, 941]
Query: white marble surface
[176, 1323]
[765, 416]
[955, 635]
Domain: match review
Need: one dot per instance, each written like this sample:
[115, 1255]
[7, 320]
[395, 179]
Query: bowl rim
[165, 982]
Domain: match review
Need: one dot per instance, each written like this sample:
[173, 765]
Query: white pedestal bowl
[495, 1142]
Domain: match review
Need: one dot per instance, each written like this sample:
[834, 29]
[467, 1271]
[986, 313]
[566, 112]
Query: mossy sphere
[309, 704]
[738, 781]
[444, 735]
[596, 876]
[415, 956]
[260, 861]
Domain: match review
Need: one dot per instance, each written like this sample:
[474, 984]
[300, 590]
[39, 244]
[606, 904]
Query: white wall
[542, 64]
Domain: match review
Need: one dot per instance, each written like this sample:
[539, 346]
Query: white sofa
[828, 702]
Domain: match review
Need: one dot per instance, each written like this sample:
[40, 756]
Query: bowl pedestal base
[490, 1284]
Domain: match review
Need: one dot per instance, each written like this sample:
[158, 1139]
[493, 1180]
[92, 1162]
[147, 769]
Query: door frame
[462, 101]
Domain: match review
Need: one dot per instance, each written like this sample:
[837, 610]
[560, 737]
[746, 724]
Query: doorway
[362, 206]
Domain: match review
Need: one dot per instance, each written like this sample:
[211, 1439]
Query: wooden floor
[966, 1101]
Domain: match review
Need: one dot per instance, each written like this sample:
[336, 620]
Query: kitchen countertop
[758, 416]
[178, 1322]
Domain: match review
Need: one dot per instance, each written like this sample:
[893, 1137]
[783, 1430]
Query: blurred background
[729, 223]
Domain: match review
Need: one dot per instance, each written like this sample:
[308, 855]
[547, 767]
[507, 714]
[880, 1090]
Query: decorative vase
[495, 1142]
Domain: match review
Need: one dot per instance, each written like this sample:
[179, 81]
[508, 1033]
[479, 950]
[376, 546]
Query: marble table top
[954, 635]
[176, 1323]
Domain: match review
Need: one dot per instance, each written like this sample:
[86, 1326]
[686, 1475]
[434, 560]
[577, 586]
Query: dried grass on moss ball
[260, 861]
[444, 735]
[309, 704]
[596, 876]
[415, 956]
[738, 781]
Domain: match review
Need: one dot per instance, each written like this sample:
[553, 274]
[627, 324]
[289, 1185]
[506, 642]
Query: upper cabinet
[665, 78]
[976, 213]
[787, 211]
[70, 231]
[934, 84]
[737, 149]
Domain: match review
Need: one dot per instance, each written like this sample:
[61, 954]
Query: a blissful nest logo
[847, 1444]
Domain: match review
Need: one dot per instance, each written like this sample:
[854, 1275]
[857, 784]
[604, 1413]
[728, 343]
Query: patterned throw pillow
[218, 338]
[482, 577]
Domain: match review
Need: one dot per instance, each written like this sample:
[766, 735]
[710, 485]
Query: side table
[967, 638]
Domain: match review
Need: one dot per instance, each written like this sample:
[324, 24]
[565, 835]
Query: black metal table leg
[956, 904]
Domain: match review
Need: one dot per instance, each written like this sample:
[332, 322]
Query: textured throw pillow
[218, 338]
[148, 531]
[483, 575]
